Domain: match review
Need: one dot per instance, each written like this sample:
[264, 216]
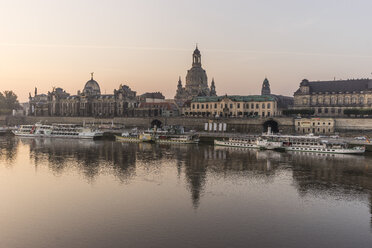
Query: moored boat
[311, 143]
[134, 137]
[177, 139]
[248, 142]
[36, 130]
[57, 131]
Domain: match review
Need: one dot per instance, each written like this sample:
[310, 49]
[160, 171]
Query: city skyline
[148, 45]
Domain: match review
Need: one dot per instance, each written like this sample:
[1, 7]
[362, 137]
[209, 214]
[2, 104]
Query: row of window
[339, 100]
[222, 114]
[314, 123]
[327, 111]
[323, 130]
[238, 105]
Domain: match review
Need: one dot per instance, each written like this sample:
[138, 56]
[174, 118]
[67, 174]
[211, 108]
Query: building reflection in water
[314, 174]
[342, 176]
[8, 149]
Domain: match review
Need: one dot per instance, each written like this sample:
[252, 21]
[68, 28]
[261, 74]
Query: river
[82, 193]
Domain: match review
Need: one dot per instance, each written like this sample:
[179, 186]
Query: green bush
[302, 112]
[357, 112]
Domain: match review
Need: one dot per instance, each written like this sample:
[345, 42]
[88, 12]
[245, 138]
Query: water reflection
[319, 175]
[8, 149]
[346, 177]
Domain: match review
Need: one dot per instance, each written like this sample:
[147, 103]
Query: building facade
[331, 98]
[88, 102]
[315, 125]
[38, 104]
[196, 82]
[232, 106]
[154, 104]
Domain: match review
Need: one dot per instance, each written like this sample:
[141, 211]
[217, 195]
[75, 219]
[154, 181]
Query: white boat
[267, 144]
[325, 147]
[36, 130]
[177, 139]
[249, 142]
[57, 131]
[311, 143]
[74, 131]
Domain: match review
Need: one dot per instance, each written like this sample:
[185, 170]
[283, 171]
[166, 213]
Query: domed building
[196, 82]
[90, 102]
[91, 87]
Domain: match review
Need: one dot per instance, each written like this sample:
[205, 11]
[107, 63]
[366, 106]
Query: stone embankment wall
[353, 125]
[239, 125]
[2, 120]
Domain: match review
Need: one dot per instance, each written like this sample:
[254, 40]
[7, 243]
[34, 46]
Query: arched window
[353, 99]
[347, 100]
[361, 100]
[340, 100]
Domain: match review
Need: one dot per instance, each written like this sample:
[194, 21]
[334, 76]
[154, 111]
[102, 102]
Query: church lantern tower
[196, 58]
[265, 87]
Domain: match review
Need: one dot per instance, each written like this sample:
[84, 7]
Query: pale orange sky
[148, 44]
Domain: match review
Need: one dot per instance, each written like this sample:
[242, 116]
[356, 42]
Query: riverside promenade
[284, 125]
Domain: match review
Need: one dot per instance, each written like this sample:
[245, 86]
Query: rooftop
[349, 85]
[235, 98]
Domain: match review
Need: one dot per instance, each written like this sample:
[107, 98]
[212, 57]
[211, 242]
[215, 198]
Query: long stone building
[264, 105]
[232, 106]
[89, 102]
[331, 98]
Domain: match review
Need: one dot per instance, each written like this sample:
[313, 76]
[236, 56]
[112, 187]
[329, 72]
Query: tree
[8, 102]
[358, 112]
[302, 112]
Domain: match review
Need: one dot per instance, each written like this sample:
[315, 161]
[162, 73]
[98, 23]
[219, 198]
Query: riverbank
[285, 125]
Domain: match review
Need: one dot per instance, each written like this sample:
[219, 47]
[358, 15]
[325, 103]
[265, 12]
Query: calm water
[59, 193]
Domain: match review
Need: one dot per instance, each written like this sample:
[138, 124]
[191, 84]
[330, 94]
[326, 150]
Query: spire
[213, 88]
[91, 74]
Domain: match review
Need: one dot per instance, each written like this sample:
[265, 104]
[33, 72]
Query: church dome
[92, 87]
[196, 76]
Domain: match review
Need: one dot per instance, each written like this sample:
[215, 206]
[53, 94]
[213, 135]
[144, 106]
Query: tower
[213, 88]
[196, 58]
[179, 85]
[265, 87]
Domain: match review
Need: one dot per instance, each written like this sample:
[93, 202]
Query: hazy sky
[148, 44]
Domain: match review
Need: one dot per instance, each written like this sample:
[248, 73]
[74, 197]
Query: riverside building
[331, 98]
[314, 125]
[89, 102]
[264, 105]
[232, 106]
